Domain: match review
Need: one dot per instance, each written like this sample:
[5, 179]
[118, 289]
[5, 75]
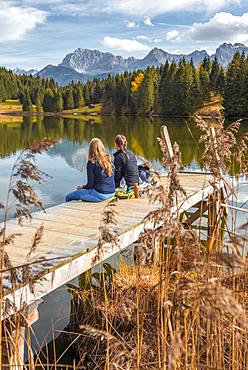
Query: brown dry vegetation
[182, 305]
[22, 196]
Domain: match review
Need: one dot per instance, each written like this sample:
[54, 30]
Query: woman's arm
[90, 176]
[118, 163]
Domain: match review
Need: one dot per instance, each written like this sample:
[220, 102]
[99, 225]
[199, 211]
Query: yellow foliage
[135, 85]
[137, 147]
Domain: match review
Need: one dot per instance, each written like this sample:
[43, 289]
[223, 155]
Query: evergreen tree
[21, 95]
[206, 65]
[119, 95]
[167, 89]
[181, 89]
[2, 97]
[147, 91]
[48, 102]
[235, 90]
[57, 101]
[215, 81]
[27, 104]
[97, 92]
[194, 98]
[87, 93]
[37, 101]
[68, 99]
[221, 80]
[78, 96]
[204, 83]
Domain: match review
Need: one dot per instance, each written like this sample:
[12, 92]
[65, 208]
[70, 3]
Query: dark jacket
[126, 166]
[99, 180]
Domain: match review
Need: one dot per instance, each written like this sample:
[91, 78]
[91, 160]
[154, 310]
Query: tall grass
[182, 305]
[16, 316]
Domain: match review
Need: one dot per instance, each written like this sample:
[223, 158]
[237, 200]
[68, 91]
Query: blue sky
[35, 33]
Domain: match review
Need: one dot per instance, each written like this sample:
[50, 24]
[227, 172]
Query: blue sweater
[99, 180]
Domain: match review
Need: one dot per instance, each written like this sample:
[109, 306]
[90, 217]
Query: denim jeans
[88, 195]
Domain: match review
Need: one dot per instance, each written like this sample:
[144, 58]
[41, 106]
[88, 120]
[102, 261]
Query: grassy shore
[11, 111]
[212, 107]
[84, 110]
[13, 108]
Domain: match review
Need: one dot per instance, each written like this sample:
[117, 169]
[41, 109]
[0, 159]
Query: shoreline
[201, 111]
[46, 114]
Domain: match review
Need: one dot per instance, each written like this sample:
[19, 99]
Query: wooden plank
[71, 231]
[244, 210]
[166, 139]
[193, 217]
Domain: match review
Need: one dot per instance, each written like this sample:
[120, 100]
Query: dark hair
[121, 142]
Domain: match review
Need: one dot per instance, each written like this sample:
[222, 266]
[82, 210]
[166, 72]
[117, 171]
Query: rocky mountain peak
[91, 61]
[226, 51]
[84, 64]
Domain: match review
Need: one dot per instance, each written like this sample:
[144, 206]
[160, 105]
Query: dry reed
[181, 306]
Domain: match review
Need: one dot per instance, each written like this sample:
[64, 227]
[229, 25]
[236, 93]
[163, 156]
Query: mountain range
[86, 64]
[19, 71]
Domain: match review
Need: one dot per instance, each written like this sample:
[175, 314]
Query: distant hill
[86, 64]
[63, 75]
[19, 71]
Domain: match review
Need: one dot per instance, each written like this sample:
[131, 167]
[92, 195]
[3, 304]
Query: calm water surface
[66, 163]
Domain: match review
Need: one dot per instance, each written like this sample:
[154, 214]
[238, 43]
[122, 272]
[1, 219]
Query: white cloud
[148, 39]
[16, 22]
[143, 38]
[172, 35]
[131, 24]
[221, 27]
[124, 44]
[157, 7]
[131, 7]
[147, 21]
[157, 40]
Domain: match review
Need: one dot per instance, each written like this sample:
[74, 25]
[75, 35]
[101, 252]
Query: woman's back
[100, 176]
[98, 179]
[126, 166]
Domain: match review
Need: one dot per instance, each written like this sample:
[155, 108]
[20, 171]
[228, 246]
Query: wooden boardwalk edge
[75, 265]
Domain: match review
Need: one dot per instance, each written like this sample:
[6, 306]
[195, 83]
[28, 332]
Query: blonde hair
[97, 153]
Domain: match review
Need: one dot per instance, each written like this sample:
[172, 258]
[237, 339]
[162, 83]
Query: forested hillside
[170, 90]
[235, 93]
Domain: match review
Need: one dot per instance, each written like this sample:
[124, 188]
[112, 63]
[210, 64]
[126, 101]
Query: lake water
[66, 163]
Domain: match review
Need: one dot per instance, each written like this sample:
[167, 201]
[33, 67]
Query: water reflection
[141, 134]
[66, 162]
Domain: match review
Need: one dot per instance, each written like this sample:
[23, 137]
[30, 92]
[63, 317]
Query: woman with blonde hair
[100, 176]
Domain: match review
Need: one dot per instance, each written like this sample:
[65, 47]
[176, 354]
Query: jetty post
[214, 205]
[16, 336]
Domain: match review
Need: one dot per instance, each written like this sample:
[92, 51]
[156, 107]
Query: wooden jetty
[71, 233]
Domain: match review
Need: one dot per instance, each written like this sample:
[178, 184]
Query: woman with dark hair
[100, 173]
[125, 164]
